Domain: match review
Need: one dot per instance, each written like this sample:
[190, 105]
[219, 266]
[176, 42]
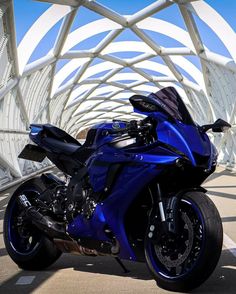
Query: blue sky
[27, 11]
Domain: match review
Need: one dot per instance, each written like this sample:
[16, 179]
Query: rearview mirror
[218, 126]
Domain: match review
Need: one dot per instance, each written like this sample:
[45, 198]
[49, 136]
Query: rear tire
[26, 245]
[196, 254]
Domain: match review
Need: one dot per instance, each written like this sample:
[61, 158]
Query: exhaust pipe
[43, 222]
[57, 231]
[67, 246]
[99, 248]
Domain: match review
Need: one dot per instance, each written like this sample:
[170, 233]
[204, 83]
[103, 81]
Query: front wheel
[184, 261]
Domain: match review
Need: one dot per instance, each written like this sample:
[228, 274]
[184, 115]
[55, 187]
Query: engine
[67, 201]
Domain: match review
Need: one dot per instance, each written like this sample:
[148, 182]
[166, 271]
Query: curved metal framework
[94, 84]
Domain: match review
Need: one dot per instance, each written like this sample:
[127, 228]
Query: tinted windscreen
[171, 103]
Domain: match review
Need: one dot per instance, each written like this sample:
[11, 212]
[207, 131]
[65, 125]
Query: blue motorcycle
[131, 191]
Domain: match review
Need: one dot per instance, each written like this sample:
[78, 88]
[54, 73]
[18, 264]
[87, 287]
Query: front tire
[26, 245]
[184, 262]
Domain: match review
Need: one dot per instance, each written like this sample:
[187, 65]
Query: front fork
[160, 203]
[165, 211]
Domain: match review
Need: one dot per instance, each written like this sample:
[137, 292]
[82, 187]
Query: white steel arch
[94, 84]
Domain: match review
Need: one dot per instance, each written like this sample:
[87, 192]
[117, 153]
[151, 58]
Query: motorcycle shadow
[105, 266]
[223, 279]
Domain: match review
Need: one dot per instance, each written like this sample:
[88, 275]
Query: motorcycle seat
[69, 149]
[60, 147]
[59, 142]
[54, 132]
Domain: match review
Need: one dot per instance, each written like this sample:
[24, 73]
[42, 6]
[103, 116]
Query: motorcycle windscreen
[169, 100]
[166, 101]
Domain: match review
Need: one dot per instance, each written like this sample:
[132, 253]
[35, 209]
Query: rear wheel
[25, 244]
[184, 261]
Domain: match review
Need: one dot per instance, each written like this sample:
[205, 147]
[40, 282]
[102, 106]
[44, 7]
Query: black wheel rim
[175, 256]
[24, 238]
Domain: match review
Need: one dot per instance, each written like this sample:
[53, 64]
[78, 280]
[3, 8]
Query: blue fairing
[113, 209]
[185, 138]
[35, 133]
[138, 171]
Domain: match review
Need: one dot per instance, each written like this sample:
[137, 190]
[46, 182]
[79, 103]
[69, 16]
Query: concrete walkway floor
[75, 274]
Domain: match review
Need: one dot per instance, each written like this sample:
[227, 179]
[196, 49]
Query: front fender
[199, 188]
[171, 208]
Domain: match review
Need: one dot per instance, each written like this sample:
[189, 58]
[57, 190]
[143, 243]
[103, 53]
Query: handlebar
[118, 131]
[134, 128]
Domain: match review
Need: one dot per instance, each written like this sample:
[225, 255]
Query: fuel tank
[99, 135]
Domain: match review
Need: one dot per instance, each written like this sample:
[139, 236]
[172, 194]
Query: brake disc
[181, 257]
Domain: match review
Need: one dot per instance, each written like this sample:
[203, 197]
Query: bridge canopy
[99, 56]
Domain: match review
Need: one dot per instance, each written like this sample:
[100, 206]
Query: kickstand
[122, 265]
